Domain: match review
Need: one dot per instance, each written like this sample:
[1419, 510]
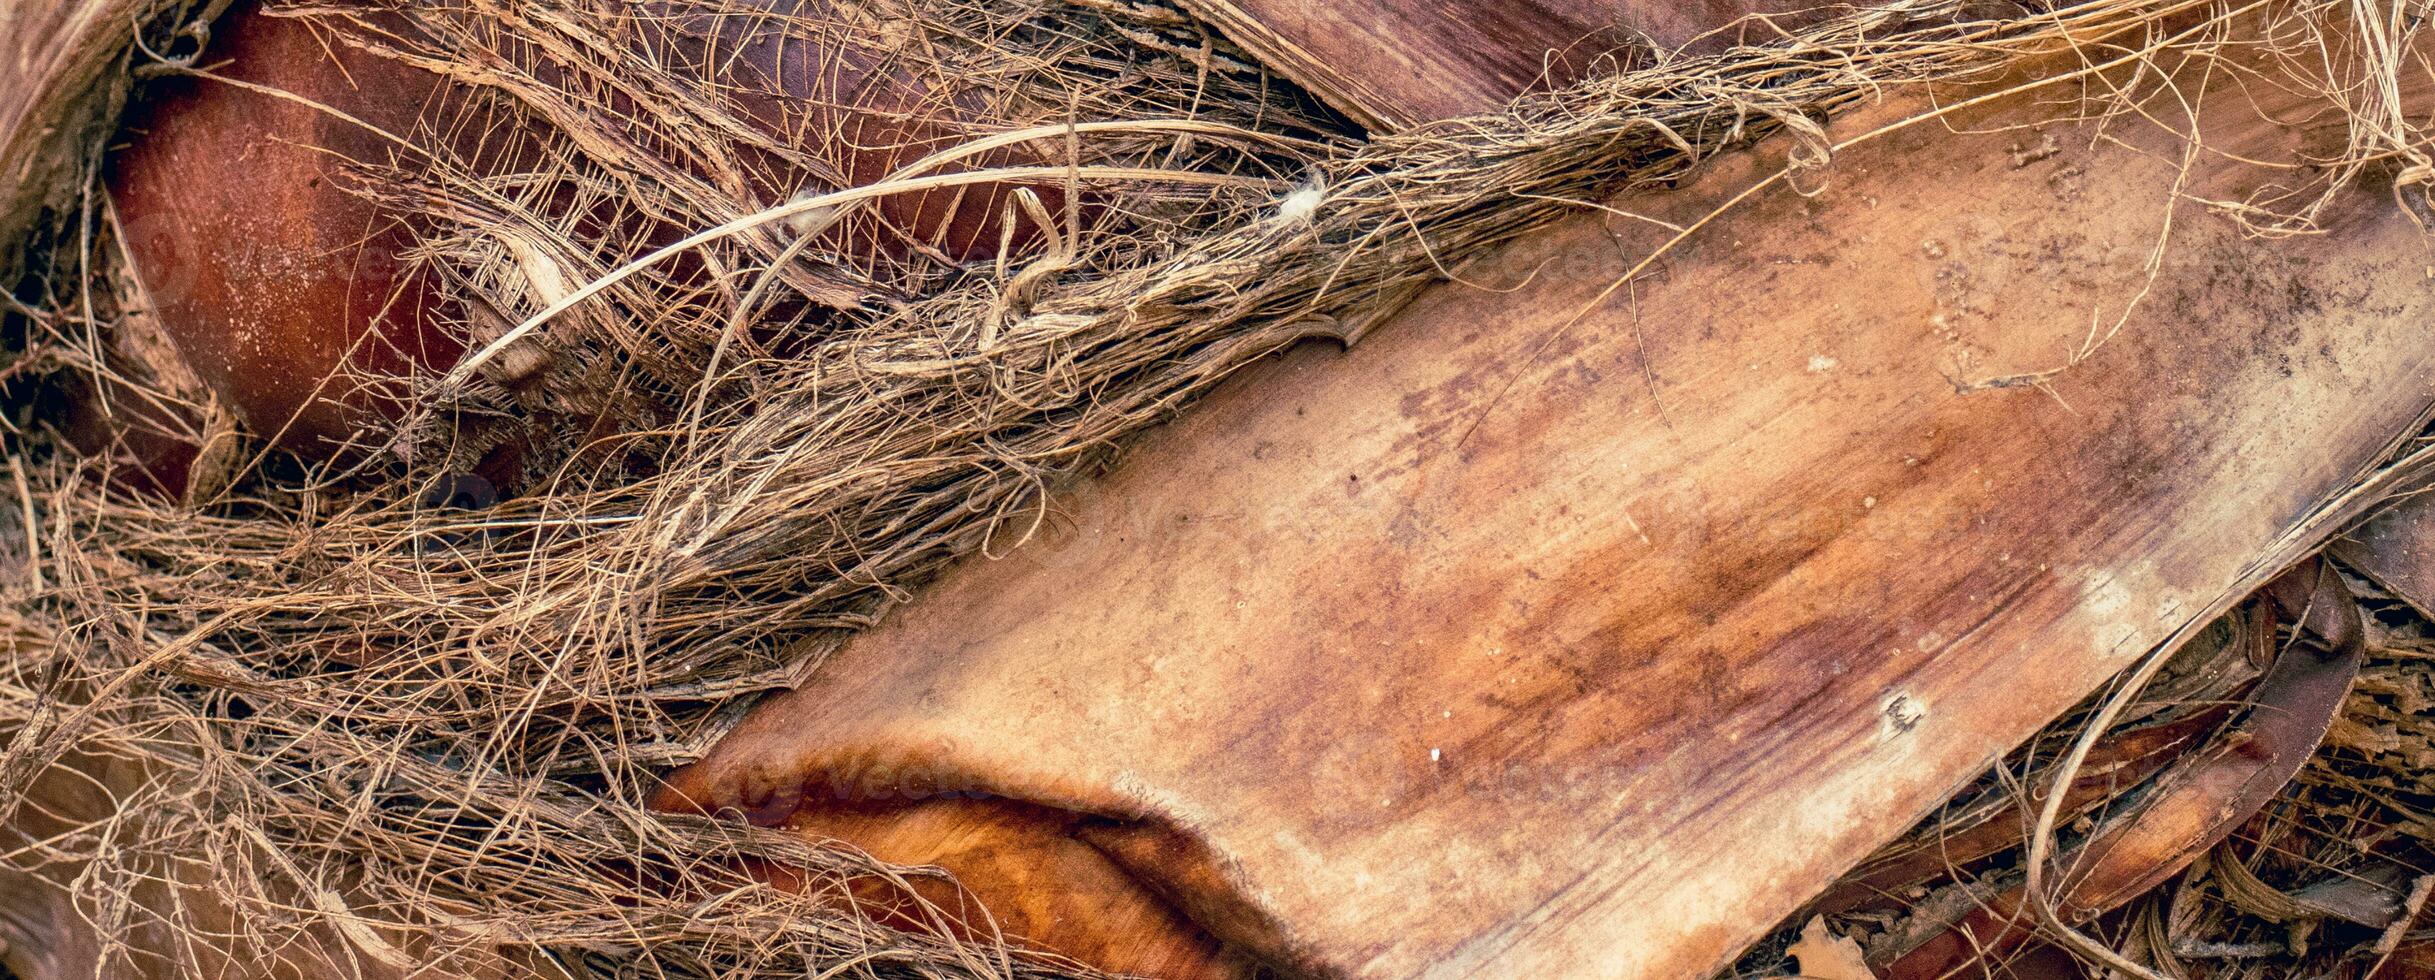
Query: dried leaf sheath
[385, 691]
[1682, 592]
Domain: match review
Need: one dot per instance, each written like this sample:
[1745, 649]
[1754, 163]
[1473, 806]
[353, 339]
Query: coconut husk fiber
[1540, 571]
[308, 718]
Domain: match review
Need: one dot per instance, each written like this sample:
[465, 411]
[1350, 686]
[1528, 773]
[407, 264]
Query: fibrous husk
[1679, 591]
[375, 731]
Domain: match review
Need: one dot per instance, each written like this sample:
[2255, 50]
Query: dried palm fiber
[803, 104]
[537, 659]
[1392, 65]
[1207, 79]
[1460, 614]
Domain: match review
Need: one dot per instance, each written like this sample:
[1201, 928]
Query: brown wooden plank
[1390, 64]
[1581, 631]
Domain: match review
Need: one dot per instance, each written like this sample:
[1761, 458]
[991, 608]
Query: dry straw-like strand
[376, 729]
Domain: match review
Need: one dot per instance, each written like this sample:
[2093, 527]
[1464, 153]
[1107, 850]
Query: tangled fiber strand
[320, 716]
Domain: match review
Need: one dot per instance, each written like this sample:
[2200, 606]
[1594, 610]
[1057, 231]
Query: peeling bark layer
[1577, 626]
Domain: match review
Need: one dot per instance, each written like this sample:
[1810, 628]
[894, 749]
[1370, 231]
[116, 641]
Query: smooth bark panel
[1395, 63]
[1569, 630]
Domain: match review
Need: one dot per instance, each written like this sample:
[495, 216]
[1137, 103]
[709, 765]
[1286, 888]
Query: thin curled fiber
[358, 728]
